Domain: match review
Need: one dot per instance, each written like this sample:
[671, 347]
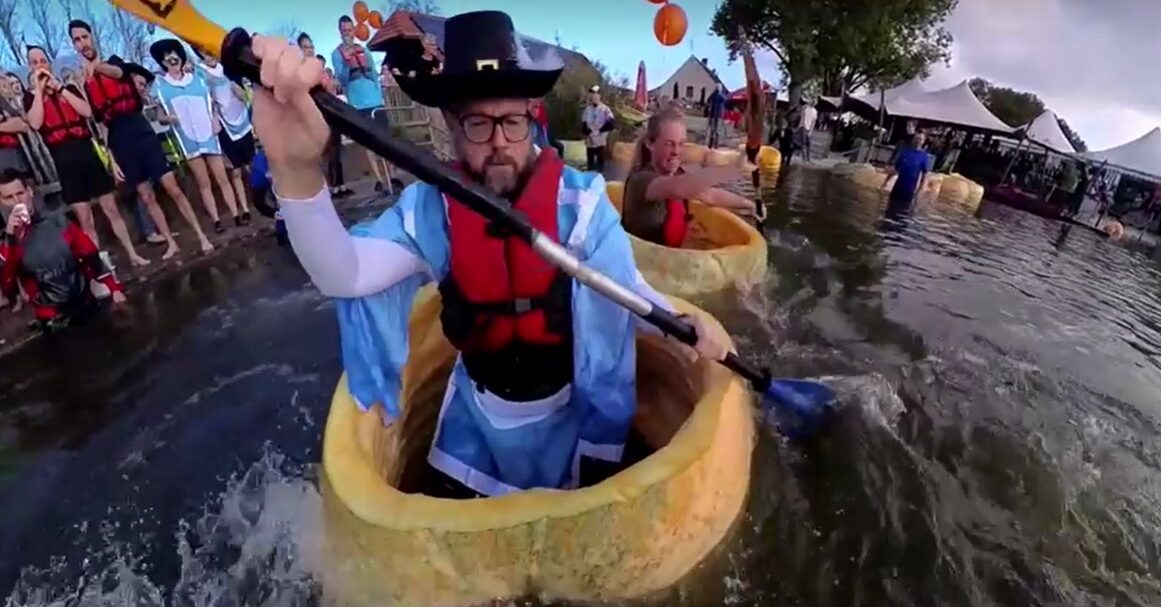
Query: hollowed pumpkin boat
[723, 251]
[637, 532]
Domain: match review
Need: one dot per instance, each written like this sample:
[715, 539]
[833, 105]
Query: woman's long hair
[641, 156]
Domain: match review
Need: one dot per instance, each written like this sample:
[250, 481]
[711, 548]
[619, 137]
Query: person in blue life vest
[912, 164]
[545, 382]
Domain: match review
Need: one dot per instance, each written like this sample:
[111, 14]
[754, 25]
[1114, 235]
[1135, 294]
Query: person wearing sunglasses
[543, 391]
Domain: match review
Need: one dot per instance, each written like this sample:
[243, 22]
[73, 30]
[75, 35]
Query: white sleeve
[339, 264]
[657, 299]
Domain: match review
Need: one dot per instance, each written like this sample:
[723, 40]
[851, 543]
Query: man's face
[665, 150]
[919, 140]
[172, 62]
[210, 61]
[15, 85]
[14, 193]
[307, 47]
[498, 162]
[83, 43]
[594, 98]
[347, 31]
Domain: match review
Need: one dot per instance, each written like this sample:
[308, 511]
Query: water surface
[999, 443]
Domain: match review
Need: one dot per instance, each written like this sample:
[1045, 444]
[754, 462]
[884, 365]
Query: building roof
[699, 63]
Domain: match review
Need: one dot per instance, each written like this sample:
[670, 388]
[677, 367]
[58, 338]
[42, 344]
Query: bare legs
[240, 189]
[149, 199]
[85, 217]
[169, 182]
[202, 177]
[108, 204]
[217, 166]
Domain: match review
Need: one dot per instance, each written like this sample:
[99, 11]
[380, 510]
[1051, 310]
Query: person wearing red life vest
[60, 113]
[48, 256]
[658, 189]
[543, 389]
[114, 100]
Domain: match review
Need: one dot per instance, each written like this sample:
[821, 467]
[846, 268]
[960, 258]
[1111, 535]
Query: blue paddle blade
[799, 406]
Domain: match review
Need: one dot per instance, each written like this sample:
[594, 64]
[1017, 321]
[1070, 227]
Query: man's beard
[89, 53]
[506, 183]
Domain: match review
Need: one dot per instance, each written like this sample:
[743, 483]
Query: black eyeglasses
[479, 128]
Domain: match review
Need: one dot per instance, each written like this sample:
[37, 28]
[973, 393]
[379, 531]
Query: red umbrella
[641, 95]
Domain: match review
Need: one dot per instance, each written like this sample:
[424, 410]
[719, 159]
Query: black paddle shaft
[239, 63]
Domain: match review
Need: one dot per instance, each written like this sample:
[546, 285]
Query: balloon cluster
[670, 23]
[365, 20]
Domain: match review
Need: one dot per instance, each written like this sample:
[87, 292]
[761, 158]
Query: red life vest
[112, 98]
[9, 141]
[676, 225]
[61, 121]
[499, 291]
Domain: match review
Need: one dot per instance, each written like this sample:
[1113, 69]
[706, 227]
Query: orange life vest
[499, 291]
[112, 98]
[61, 121]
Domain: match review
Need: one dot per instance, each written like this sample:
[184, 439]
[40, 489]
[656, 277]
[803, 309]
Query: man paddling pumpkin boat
[545, 379]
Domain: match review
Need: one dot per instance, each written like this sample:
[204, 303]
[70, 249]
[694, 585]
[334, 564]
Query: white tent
[1141, 155]
[956, 105]
[887, 98]
[1046, 131]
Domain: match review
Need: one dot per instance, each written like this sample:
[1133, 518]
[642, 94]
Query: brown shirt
[642, 217]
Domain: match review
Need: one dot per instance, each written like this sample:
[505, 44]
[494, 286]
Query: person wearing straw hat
[543, 391]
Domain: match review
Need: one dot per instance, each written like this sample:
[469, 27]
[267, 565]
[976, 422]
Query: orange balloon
[375, 19]
[362, 32]
[360, 11]
[670, 24]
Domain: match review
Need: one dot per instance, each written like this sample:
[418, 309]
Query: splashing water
[256, 544]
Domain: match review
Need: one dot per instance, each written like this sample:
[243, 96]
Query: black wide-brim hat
[158, 50]
[484, 58]
[140, 70]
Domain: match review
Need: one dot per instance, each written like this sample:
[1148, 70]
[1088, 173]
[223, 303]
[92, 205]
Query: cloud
[1094, 62]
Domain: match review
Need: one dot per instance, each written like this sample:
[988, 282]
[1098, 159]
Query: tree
[841, 43]
[1019, 108]
[1016, 108]
[133, 36]
[9, 24]
[1075, 139]
[425, 7]
[49, 27]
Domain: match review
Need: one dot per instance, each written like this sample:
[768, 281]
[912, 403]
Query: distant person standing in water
[911, 165]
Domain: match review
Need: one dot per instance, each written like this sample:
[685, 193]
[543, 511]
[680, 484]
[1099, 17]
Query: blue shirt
[717, 104]
[911, 164]
[259, 167]
[361, 85]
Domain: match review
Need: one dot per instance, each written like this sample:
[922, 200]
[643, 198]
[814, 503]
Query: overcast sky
[1097, 63]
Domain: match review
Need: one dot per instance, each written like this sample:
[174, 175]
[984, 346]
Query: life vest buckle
[522, 305]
